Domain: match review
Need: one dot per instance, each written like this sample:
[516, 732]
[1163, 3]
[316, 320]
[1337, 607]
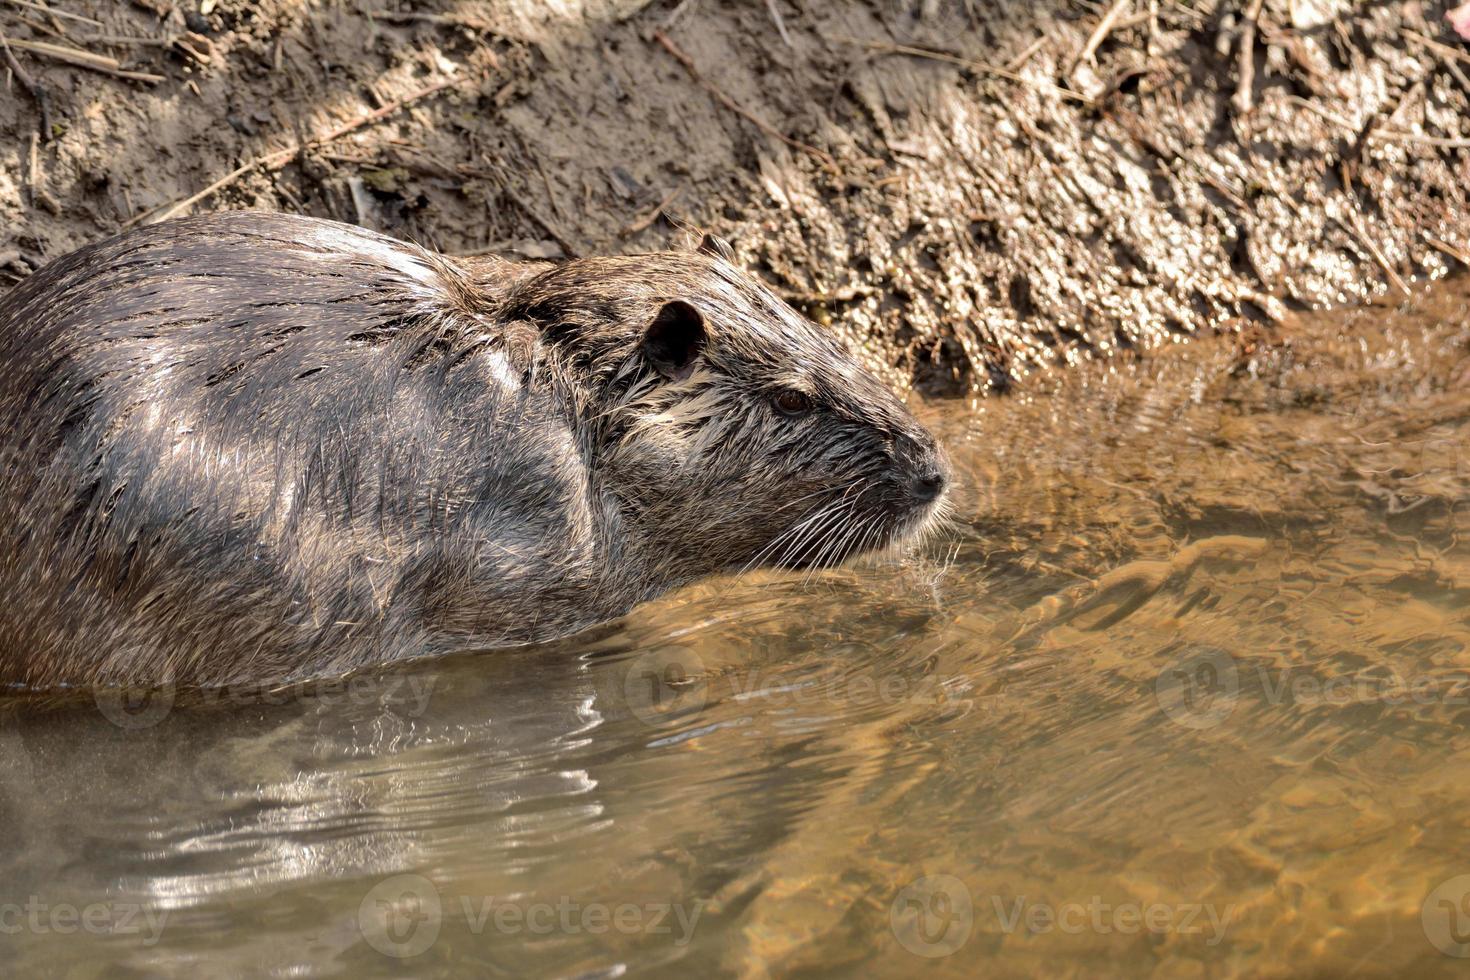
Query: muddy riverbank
[965, 190]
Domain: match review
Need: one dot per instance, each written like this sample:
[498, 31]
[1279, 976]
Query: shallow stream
[1186, 692]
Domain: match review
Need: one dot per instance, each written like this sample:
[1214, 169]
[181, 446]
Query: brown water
[1187, 693]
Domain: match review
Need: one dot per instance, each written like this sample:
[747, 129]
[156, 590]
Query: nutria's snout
[927, 486]
[923, 476]
[932, 475]
[897, 508]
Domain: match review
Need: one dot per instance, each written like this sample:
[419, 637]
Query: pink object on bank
[1459, 19]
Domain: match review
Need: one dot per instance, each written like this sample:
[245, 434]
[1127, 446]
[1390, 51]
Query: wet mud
[965, 191]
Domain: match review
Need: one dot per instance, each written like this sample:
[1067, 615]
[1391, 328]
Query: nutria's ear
[716, 246]
[674, 339]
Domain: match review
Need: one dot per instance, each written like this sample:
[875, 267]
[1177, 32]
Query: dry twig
[1019, 61]
[43, 100]
[1458, 254]
[1245, 75]
[280, 158]
[54, 13]
[1378, 133]
[1438, 46]
[39, 194]
[740, 110]
[1356, 229]
[883, 47]
[85, 59]
[526, 206]
[780, 24]
[634, 227]
[1099, 34]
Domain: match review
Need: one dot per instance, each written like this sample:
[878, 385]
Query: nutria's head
[734, 432]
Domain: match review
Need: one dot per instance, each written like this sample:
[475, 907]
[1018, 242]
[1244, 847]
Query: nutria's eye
[789, 401]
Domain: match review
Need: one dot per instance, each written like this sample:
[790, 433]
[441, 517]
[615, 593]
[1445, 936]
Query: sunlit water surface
[1185, 693]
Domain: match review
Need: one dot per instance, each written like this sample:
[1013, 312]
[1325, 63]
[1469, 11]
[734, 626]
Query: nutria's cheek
[829, 524]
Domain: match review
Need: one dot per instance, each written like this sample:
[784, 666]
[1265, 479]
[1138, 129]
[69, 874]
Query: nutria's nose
[927, 486]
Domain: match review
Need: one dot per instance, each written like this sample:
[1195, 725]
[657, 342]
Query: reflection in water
[1187, 693]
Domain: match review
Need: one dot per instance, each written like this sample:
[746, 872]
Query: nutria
[242, 447]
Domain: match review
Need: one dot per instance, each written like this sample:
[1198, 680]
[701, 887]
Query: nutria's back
[247, 447]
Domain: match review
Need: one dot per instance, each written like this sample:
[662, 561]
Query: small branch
[1392, 135]
[780, 24]
[280, 158]
[1357, 230]
[1458, 254]
[1387, 135]
[1019, 61]
[377, 115]
[76, 56]
[675, 14]
[883, 47]
[546, 182]
[1450, 56]
[43, 100]
[1245, 75]
[740, 110]
[39, 194]
[634, 227]
[1099, 35]
[547, 225]
[1138, 129]
[810, 298]
[54, 13]
[85, 59]
[1438, 46]
[127, 40]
